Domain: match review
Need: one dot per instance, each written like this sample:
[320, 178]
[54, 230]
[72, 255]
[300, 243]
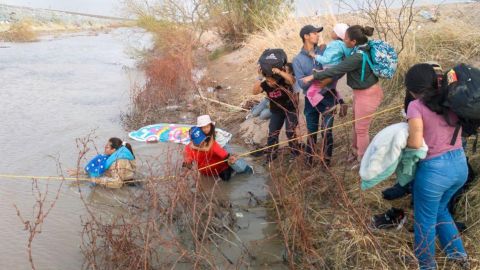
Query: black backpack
[462, 89]
[272, 58]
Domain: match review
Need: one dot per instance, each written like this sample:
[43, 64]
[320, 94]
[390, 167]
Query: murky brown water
[54, 91]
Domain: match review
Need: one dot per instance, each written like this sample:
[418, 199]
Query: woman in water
[113, 168]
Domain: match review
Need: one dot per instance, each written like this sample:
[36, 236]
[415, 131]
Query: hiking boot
[393, 218]
[395, 192]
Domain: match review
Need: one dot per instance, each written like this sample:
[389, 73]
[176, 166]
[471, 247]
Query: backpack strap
[455, 133]
[474, 148]
[366, 60]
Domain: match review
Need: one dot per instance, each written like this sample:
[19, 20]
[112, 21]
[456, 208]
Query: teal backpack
[382, 60]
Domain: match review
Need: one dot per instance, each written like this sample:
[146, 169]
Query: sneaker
[395, 192]
[249, 170]
[293, 155]
[393, 218]
[355, 166]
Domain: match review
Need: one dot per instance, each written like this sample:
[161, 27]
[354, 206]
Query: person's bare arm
[257, 88]
[415, 133]
[289, 79]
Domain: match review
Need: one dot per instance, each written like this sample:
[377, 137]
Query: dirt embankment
[324, 216]
[236, 71]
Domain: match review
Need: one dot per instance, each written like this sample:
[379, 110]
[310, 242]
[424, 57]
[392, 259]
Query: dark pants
[278, 118]
[312, 117]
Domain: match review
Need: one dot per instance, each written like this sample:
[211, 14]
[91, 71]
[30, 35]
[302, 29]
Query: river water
[53, 92]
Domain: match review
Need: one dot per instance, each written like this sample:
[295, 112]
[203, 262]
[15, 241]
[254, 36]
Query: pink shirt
[436, 131]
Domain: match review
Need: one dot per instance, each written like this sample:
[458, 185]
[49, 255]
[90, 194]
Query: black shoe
[309, 162]
[395, 192]
[393, 218]
[270, 157]
[258, 153]
[327, 161]
[461, 226]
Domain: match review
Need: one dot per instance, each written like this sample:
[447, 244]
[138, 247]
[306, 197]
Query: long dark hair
[116, 143]
[359, 33]
[212, 131]
[422, 80]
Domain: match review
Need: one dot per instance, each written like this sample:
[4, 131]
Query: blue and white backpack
[382, 60]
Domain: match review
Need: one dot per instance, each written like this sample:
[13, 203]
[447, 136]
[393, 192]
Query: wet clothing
[120, 171]
[111, 171]
[212, 154]
[205, 157]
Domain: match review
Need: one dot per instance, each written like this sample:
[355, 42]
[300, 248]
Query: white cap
[340, 29]
[204, 120]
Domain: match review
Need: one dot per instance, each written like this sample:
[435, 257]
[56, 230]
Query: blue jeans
[241, 165]
[262, 110]
[436, 180]
[312, 117]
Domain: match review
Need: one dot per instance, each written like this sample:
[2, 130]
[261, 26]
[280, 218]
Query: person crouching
[211, 158]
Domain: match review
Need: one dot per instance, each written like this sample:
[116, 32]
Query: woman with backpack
[112, 169]
[367, 93]
[440, 174]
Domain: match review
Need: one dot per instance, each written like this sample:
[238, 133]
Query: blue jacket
[303, 65]
[335, 52]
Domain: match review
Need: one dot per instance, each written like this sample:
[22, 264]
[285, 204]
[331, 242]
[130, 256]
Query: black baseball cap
[307, 29]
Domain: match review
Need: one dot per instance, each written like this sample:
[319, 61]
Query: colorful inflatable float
[176, 133]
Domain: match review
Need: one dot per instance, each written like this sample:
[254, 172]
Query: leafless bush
[168, 221]
[41, 210]
[391, 19]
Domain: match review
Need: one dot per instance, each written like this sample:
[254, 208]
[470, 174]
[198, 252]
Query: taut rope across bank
[60, 178]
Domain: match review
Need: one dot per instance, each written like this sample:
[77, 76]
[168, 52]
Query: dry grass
[323, 214]
[21, 31]
[164, 224]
